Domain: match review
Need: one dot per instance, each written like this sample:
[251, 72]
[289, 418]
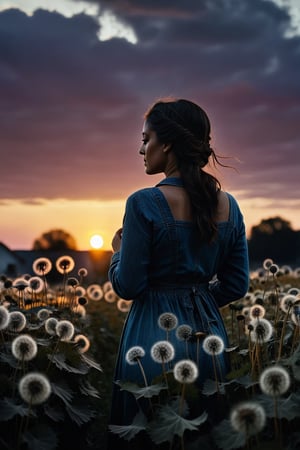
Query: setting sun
[96, 241]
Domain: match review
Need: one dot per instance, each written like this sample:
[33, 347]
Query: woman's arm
[233, 275]
[128, 270]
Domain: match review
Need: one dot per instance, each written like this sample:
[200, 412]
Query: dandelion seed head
[79, 310]
[82, 301]
[274, 269]
[258, 293]
[65, 330]
[107, 286]
[24, 347]
[72, 281]
[286, 302]
[262, 330]
[297, 272]
[267, 263]
[65, 264]
[246, 311]
[124, 305]
[257, 311]
[162, 352]
[42, 266]
[20, 284]
[185, 371]
[110, 296]
[80, 291]
[43, 314]
[274, 380]
[294, 291]
[50, 325]
[4, 317]
[82, 272]
[17, 321]
[167, 321]
[35, 284]
[250, 298]
[296, 315]
[8, 283]
[94, 292]
[248, 418]
[213, 345]
[82, 343]
[134, 354]
[286, 270]
[34, 388]
[183, 332]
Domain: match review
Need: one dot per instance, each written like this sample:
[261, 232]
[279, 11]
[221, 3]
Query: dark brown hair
[186, 126]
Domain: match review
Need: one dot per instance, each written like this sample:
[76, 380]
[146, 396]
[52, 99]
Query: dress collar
[171, 181]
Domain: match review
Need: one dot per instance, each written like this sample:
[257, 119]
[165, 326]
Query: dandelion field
[58, 348]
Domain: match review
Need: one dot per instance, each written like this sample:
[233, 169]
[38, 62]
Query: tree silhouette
[56, 239]
[274, 238]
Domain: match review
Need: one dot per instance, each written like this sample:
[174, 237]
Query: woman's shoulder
[235, 214]
[141, 199]
[142, 193]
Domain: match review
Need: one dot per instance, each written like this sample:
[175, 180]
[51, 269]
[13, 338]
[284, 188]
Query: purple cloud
[72, 106]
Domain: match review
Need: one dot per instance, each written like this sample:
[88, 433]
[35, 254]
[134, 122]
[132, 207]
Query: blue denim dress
[163, 267]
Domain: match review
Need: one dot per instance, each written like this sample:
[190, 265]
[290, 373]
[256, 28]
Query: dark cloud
[71, 106]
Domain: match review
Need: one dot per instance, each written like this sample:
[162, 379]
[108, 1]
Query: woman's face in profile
[153, 151]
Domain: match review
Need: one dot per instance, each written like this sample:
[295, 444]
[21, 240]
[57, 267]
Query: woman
[182, 250]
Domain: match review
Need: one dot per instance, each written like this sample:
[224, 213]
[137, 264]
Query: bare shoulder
[223, 207]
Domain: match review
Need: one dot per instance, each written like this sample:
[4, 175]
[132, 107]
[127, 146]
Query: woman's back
[177, 254]
[180, 206]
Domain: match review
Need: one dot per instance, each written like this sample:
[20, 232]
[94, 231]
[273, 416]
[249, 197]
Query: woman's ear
[167, 148]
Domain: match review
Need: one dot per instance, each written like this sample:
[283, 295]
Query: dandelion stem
[181, 405]
[197, 351]
[142, 370]
[295, 336]
[276, 430]
[52, 354]
[282, 333]
[215, 372]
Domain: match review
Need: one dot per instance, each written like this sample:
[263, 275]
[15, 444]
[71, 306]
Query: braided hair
[186, 126]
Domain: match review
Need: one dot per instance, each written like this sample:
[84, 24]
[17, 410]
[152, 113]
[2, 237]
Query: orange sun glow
[96, 241]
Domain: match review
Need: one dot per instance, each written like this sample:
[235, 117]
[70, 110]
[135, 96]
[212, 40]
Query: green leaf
[10, 409]
[43, 342]
[86, 388]
[128, 432]
[210, 387]
[246, 381]
[139, 392]
[168, 424]
[287, 408]
[41, 437]
[62, 391]
[294, 441]
[80, 414]
[294, 362]
[9, 359]
[59, 359]
[55, 413]
[226, 438]
[90, 362]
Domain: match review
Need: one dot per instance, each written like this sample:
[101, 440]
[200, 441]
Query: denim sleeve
[128, 271]
[233, 274]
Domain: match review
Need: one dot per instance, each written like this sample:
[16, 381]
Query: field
[58, 348]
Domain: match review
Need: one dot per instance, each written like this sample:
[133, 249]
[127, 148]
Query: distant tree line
[272, 238]
[55, 239]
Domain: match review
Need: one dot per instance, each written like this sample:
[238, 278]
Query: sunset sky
[77, 76]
